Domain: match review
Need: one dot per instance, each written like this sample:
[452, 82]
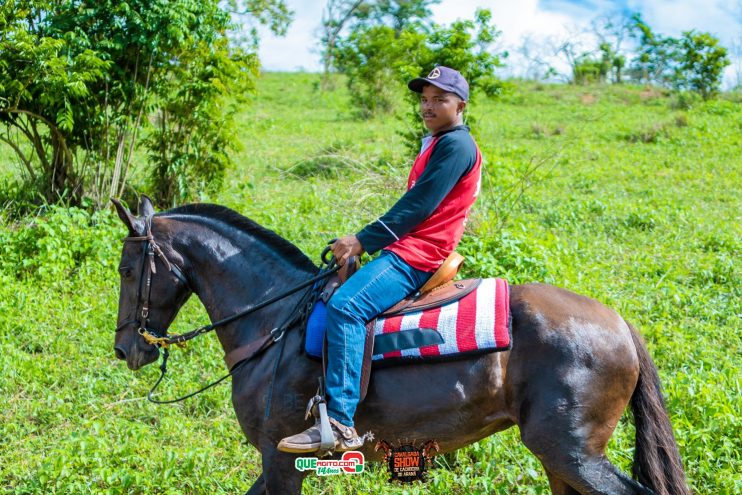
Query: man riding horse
[416, 235]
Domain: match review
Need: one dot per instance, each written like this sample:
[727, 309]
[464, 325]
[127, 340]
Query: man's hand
[345, 247]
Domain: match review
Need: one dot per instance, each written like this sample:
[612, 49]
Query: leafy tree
[193, 129]
[702, 63]
[358, 18]
[612, 31]
[467, 46]
[372, 58]
[577, 50]
[657, 57]
[378, 61]
[696, 61]
[611, 63]
[272, 13]
[43, 79]
[588, 70]
[335, 16]
[397, 14]
[81, 80]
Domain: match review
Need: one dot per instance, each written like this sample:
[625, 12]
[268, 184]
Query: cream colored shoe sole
[297, 448]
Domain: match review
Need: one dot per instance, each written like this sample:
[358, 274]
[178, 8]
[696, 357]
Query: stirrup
[317, 407]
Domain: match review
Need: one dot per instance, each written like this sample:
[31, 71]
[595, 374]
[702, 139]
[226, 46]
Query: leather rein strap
[246, 351]
[236, 357]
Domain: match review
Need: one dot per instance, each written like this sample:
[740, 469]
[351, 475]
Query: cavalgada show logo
[406, 462]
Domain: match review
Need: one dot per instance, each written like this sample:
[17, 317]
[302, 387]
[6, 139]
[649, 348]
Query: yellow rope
[161, 341]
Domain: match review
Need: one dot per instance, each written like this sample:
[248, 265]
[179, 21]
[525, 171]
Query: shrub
[329, 162]
[640, 221]
[502, 255]
[650, 134]
[59, 243]
[80, 80]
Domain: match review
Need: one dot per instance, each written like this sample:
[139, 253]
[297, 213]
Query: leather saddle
[440, 289]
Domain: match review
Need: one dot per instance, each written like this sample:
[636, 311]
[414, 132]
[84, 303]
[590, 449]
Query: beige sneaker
[346, 438]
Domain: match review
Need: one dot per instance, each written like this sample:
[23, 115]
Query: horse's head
[153, 287]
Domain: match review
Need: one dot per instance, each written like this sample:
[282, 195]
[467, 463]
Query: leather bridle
[150, 248]
[237, 356]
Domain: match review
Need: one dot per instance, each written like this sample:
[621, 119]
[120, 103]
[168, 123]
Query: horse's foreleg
[280, 474]
[257, 488]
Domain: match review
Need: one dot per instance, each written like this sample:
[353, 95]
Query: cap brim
[418, 83]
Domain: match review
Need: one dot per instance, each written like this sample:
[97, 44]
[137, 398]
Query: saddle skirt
[473, 318]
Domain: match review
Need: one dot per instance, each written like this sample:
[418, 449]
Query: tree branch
[21, 156]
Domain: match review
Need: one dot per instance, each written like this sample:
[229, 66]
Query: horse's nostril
[120, 354]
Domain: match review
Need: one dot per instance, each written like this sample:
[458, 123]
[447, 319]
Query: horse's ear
[134, 225]
[145, 206]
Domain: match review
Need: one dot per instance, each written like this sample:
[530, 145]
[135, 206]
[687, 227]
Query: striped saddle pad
[478, 322]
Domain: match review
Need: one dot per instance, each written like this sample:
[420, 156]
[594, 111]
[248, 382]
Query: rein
[235, 358]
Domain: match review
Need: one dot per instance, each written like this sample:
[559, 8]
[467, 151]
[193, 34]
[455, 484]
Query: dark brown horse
[574, 366]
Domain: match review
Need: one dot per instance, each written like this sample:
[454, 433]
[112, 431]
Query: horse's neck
[231, 271]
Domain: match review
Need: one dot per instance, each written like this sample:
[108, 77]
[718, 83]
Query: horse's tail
[657, 463]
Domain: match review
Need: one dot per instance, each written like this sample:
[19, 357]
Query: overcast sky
[540, 20]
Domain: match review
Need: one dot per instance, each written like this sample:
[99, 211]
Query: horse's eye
[125, 272]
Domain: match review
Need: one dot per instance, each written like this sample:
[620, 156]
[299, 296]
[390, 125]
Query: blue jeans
[373, 289]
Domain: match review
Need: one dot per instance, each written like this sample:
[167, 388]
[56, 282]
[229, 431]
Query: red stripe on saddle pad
[429, 319]
[391, 325]
[466, 320]
[502, 308]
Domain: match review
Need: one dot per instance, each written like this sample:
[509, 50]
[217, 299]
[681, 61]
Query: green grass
[630, 198]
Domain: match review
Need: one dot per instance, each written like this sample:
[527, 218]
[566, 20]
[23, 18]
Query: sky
[542, 22]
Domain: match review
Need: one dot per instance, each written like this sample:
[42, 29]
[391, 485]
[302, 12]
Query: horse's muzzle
[136, 358]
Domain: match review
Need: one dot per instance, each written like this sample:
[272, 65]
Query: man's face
[440, 109]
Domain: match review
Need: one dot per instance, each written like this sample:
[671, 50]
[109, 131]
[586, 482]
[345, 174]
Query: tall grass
[645, 221]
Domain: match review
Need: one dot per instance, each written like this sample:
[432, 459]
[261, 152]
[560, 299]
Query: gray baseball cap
[445, 78]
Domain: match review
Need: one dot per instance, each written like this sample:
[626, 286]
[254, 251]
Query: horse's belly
[454, 403]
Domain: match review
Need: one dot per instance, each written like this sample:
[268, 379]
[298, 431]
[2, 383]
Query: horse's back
[553, 308]
[559, 327]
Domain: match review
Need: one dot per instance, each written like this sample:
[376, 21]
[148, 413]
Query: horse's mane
[230, 217]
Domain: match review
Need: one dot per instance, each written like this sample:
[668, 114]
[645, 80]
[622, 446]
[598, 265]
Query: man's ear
[135, 226]
[460, 106]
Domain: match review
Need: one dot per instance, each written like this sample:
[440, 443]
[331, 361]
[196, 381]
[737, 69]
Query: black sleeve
[453, 157]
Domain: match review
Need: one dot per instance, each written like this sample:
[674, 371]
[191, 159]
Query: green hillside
[629, 195]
